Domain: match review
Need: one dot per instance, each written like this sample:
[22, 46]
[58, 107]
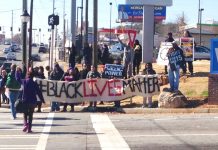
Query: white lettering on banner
[99, 89]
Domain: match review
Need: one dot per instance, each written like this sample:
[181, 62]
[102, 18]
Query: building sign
[187, 45]
[134, 13]
[214, 56]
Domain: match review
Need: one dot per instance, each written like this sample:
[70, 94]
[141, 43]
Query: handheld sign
[113, 70]
[162, 58]
[187, 45]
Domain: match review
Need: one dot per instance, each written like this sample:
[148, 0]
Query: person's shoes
[29, 131]
[101, 103]
[25, 127]
[149, 105]
[191, 73]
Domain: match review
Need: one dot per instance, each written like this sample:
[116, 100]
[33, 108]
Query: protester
[3, 79]
[30, 90]
[176, 60]
[69, 77]
[83, 75]
[87, 54]
[137, 57]
[72, 56]
[169, 39]
[93, 74]
[105, 54]
[190, 62]
[147, 101]
[13, 88]
[40, 75]
[56, 75]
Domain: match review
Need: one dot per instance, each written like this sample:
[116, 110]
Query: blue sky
[43, 8]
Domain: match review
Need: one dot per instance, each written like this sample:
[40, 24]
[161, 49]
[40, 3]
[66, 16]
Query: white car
[11, 56]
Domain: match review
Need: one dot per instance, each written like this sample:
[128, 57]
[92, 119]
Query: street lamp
[110, 20]
[200, 10]
[25, 17]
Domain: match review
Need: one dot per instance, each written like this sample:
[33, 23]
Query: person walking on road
[13, 89]
[30, 90]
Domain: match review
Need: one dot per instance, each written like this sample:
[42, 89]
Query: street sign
[134, 13]
[214, 56]
[151, 2]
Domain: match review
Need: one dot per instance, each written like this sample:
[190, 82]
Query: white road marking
[108, 136]
[45, 133]
[17, 147]
[168, 135]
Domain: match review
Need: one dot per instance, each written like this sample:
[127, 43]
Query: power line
[5, 11]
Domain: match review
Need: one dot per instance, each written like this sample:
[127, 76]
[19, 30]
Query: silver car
[202, 53]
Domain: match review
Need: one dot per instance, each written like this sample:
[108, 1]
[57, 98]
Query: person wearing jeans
[13, 88]
[176, 60]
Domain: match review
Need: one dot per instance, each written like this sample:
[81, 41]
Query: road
[95, 131]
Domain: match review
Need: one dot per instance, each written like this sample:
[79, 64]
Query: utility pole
[73, 20]
[81, 24]
[30, 34]
[12, 24]
[52, 40]
[24, 35]
[199, 10]
[110, 20]
[87, 22]
[64, 33]
[95, 32]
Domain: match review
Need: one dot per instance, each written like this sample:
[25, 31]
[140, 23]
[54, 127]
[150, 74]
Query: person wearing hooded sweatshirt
[30, 90]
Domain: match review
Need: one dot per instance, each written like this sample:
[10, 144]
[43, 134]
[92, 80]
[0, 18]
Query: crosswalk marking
[44, 136]
[108, 136]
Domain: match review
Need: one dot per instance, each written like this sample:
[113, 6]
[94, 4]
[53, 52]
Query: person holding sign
[190, 62]
[176, 60]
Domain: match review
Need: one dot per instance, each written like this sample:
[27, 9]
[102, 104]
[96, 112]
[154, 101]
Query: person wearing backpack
[13, 87]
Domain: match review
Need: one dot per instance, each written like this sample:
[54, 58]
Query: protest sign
[187, 45]
[98, 89]
[113, 70]
[162, 58]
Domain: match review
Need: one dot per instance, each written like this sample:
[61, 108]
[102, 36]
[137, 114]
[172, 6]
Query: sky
[43, 8]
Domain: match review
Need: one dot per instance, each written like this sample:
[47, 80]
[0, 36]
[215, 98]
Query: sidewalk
[103, 109]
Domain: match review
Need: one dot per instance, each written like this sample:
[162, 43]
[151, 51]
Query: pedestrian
[56, 75]
[169, 39]
[137, 57]
[91, 75]
[147, 101]
[176, 60]
[30, 91]
[40, 75]
[13, 88]
[3, 80]
[189, 62]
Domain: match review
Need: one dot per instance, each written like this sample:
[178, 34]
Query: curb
[141, 110]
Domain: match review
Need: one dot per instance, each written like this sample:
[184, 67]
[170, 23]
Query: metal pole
[200, 23]
[24, 36]
[95, 32]
[52, 40]
[81, 25]
[30, 33]
[73, 20]
[87, 22]
[77, 19]
[110, 20]
[64, 33]
[199, 7]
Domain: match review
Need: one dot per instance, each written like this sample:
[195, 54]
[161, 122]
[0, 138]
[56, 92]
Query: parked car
[7, 66]
[11, 56]
[2, 60]
[6, 50]
[42, 49]
[35, 57]
[202, 53]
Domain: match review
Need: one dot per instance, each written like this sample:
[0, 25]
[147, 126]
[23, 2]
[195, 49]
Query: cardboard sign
[113, 70]
[98, 89]
[162, 58]
[187, 45]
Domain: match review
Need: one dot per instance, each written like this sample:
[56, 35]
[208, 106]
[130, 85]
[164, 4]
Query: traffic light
[19, 29]
[39, 29]
[11, 29]
[0, 28]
